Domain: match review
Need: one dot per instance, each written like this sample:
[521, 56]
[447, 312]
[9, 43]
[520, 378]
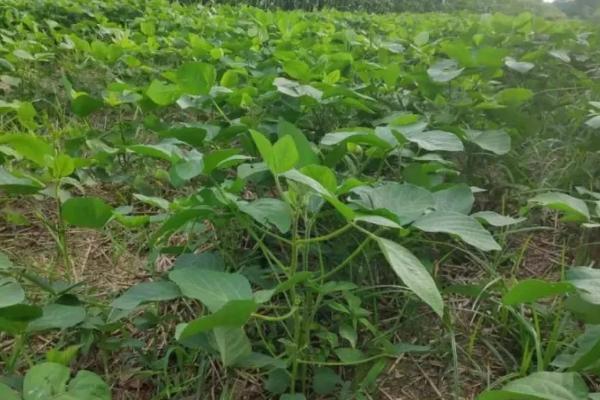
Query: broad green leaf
[267, 211]
[297, 69]
[58, 316]
[163, 94]
[574, 209]
[196, 78]
[358, 137]
[10, 183]
[295, 89]
[278, 381]
[233, 314]
[31, 147]
[434, 140]
[350, 356]
[421, 39]
[413, 273]
[306, 155]
[297, 176]
[83, 104]
[444, 71]
[325, 176]
[495, 219]
[88, 386]
[513, 96]
[63, 166]
[86, 212]
[153, 201]
[587, 282]
[284, 155]
[561, 54]
[214, 289]
[498, 141]
[45, 381]
[162, 151]
[407, 202]
[233, 345]
[541, 386]
[584, 352]
[179, 220]
[325, 381]
[14, 319]
[457, 198]
[532, 290]
[464, 226]
[593, 122]
[264, 146]
[146, 292]
[6, 393]
[522, 67]
[11, 292]
[5, 263]
[63, 357]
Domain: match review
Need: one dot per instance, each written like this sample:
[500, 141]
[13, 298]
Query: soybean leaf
[11, 292]
[44, 381]
[214, 289]
[522, 67]
[58, 316]
[584, 352]
[495, 219]
[6, 393]
[18, 184]
[444, 71]
[574, 209]
[196, 78]
[233, 314]
[498, 141]
[593, 122]
[457, 198]
[306, 155]
[541, 386]
[295, 89]
[413, 273]
[83, 104]
[146, 292]
[513, 96]
[587, 282]
[405, 201]
[233, 345]
[86, 212]
[532, 290]
[464, 226]
[163, 94]
[267, 211]
[88, 386]
[434, 140]
[14, 319]
[325, 381]
[284, 155]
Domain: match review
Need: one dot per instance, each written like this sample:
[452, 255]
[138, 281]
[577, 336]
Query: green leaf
[458, 198]
[18, 184]
[325, 176]
[284, 155]
[444, 71]
[278, 381]
[146, 292]
[153, 201]
[514, 96]
[325, 381]
[495, 219]
[84, 104]
[162, 151]
[541, 386]
[464, 226]
[63, 357]
[584, 352]
[405, 201]
[297, 69]
[587, 282]
[421, 39]
[5, 263]
[434, 140]
[6, 393]
[233, 345]
[58, 316]
[498, 141]
[358, 137]
[413, 273]
[88, 386]
[196, 78]
[295, 89]
[163, 94]
[350, 356]
[86, 212]
[522, 67]
[14, 319]
[573, 208]
[214, 289]
[11, 292]
[593, 122]
[532, 290]
[306, 155]
[45, 381]
[233, 314]
[31, 147]
[267, 211]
